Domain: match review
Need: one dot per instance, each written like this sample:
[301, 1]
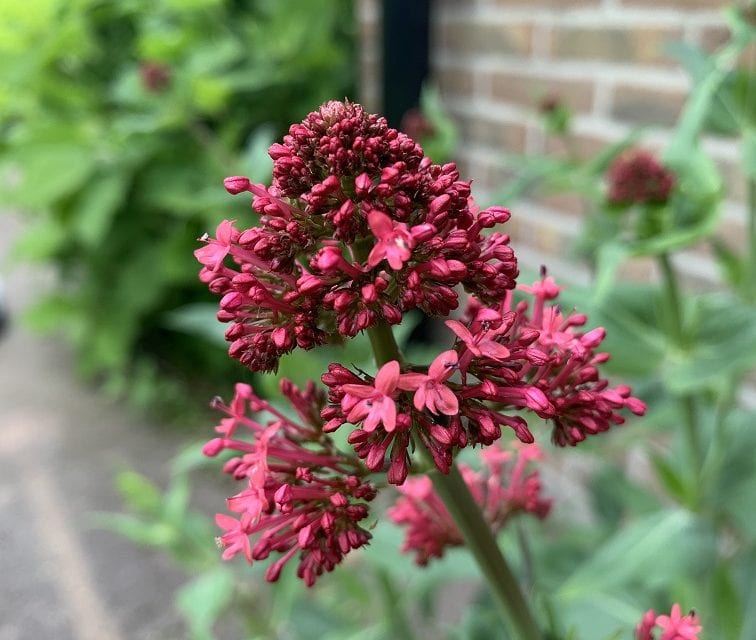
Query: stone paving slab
[60, 448]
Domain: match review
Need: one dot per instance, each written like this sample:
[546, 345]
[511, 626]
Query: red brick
[712, 38]
[453, 82]
[642, 46]
[486, 38]
[493, 178]
[567, 203]
[734, 180]
[583, 146]
[647, 106]
[733, 234]
[529, 90]
[504, 136]
[530, 230]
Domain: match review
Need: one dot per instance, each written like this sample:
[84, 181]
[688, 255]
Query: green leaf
[749, 153]
[661, 544]
[442, 141]
[94, 209]
[671, 479]
[42, 240]
[255, 159]
[204, 599]
[150, 534]
[48, 171]
[723, 342]
[608, 261]
[730, 263]
[176, 500]
[728, 603]
[138, 492]
[199, 319]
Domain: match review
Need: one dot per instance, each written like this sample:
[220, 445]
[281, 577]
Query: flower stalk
[467, 516]
[687, 401]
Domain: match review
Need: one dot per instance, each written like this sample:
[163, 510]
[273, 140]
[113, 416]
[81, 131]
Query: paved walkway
[60, 447]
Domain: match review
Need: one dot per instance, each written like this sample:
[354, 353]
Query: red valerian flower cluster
[502, 489]
[358, 227]
[637, 177]
[675, 626]
[520, 355]
[301, 495]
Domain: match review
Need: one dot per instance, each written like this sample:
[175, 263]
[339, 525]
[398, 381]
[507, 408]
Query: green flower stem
[687, 401]
[478, 536]
[482, 544]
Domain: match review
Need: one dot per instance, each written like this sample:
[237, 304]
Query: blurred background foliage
[117, 127]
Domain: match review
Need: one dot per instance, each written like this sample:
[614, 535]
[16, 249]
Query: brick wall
[495, 59]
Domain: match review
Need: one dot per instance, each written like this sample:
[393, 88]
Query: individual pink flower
[395, 242]
[373, 405]
[675, 626]
[502, 489]
[430, 389]
[216, 249]
[236, 536]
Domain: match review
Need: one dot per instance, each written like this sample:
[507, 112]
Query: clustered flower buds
[637, 177]
[502, 489]
[301, 495]
[675, 626]
[358, 228]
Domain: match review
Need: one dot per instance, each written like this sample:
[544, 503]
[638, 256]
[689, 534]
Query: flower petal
[387, 378]
[380, 224]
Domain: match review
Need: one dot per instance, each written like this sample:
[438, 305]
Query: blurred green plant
[117, 125]
[692, 355]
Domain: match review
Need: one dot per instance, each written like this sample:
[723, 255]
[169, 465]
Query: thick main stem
[478, 536]
[687, 401]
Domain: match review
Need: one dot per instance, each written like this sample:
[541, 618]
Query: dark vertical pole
[405, 55]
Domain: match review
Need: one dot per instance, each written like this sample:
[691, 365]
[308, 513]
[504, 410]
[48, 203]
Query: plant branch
[687, 401]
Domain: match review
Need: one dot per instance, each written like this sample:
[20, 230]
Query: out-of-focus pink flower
[637, 177]
[502, 489]
[156, 76]
[675, 626]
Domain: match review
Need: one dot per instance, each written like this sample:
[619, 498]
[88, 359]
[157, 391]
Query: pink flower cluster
[518, 355]
[357, 228]
[502, 489]
[301, 495]
[675, 626]
[637, 177]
